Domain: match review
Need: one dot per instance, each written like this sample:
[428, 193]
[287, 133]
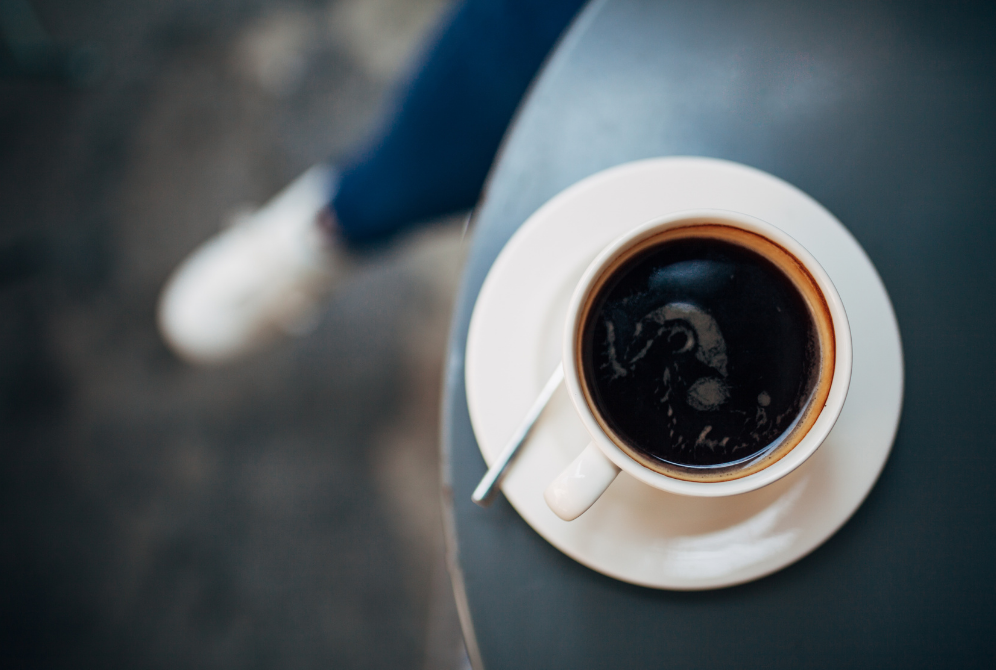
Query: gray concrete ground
[281, 513]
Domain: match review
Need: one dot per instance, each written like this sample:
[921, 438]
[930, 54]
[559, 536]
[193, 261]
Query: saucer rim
[619, 175]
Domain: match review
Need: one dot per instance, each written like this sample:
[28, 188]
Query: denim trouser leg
[438, 145]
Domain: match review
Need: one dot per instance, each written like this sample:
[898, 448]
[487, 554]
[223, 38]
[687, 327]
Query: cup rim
[838, 385]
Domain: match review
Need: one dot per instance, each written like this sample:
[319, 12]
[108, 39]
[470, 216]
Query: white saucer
[636, 533]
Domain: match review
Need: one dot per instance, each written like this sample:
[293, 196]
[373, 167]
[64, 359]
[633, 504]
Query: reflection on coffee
[706, 352]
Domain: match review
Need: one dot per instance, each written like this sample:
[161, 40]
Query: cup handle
[581, 484]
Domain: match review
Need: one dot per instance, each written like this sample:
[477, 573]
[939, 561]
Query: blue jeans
[432, 157]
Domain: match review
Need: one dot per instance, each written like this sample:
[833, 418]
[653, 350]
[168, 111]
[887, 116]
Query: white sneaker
[256, 282]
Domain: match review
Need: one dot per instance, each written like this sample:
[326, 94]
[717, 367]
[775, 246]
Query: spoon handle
[485, 491]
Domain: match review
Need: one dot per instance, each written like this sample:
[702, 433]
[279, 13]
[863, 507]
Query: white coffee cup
[591, 473]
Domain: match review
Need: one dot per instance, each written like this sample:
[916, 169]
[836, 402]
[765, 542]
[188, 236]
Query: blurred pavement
[282, 513]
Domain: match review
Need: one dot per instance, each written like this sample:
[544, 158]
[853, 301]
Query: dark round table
[886, 114]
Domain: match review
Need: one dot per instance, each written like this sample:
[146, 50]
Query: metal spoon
[485, 491]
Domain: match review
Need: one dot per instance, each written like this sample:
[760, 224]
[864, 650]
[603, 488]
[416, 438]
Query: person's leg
[436, 150]
[265, 277]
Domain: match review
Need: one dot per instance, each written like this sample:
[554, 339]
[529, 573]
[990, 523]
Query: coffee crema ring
[707, 351]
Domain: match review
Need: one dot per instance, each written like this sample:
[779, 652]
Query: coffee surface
[700, 353]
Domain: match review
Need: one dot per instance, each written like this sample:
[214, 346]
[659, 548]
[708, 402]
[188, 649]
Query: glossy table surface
[883, 112]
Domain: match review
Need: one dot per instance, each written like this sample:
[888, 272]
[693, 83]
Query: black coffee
[700, 354]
